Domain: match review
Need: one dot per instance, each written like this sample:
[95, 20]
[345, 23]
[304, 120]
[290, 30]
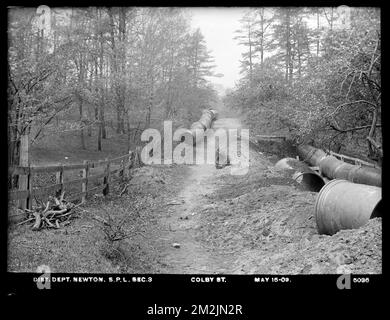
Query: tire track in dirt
[182, 223]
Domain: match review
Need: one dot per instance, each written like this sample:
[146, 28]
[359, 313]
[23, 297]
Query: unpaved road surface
[199, 219]
[184, 220]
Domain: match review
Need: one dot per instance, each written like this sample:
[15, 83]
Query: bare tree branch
[372, 105]
[352, 129]
[376, 145]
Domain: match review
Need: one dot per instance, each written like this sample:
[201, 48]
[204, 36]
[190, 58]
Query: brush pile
[55, 214]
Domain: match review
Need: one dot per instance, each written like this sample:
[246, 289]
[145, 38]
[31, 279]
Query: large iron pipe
[333, 168]
[205, 121]
[207, 118]
[329, 166]
[366, 175]
[310, 154]
[301, 173]
[342, 204]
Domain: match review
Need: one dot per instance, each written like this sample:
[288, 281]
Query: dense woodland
[315, 74]
[311, 73]
[85, 69]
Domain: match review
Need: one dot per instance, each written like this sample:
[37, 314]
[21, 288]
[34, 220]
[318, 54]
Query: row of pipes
[333, 168]
[205, 121]
[348, 195]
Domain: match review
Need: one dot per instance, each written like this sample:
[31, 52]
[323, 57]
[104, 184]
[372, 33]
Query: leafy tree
[331, 93]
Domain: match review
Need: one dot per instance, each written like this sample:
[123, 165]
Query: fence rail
[125, 162]
[355, 161]
[270, 137]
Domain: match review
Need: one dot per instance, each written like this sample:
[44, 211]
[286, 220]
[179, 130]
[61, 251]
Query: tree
[100, 64]
[37, 87]
[263, 33]
[247, 37]
[331, 94]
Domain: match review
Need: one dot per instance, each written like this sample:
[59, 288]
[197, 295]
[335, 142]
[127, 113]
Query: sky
[218, 26]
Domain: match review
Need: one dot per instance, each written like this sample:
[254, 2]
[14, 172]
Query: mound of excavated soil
[356, 251]
[266, 223]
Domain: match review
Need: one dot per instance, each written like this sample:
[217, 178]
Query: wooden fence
[120, 165]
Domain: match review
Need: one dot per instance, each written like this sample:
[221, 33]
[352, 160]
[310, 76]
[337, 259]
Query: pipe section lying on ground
[310, 154]
[301, 173]
[204, 123]
[342, 204]
[334, 168]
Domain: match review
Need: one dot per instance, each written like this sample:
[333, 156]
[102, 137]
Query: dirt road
[184, 219]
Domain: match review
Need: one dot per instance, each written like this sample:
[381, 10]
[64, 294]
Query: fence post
[60, 179]
[84, 185]
[106, 180]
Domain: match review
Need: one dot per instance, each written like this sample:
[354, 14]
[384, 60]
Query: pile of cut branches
[56, 213]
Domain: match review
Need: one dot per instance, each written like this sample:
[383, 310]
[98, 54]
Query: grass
[66, 148]
[83, 246]
[86, 245]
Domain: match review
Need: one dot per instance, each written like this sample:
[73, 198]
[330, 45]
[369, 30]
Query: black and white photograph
[194, 141]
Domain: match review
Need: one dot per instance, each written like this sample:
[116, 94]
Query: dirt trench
[185, 253]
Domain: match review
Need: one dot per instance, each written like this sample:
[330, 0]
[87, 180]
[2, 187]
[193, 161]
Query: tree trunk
[102, 128]
[288, 49]
[14, 156]
[89, 131]
[318, 30]
[250, 57]
[81, 84]
[299, 59]
[262, 39]
[371, 134]
[148, 116]
[82, 123]
[24, 161]
[103, 124]
[331, 19]
[150, 104]
[118, 120]
[99, 146]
